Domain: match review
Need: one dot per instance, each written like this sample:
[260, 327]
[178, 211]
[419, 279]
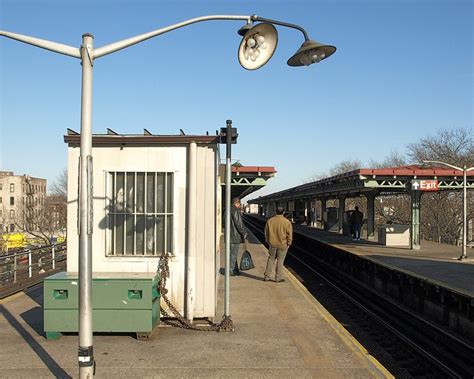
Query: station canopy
[247, 179]
[382, 181]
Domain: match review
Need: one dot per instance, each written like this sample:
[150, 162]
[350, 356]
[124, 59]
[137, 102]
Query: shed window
[140, 213]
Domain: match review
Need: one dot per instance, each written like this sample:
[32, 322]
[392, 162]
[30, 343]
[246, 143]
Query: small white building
[153, 193]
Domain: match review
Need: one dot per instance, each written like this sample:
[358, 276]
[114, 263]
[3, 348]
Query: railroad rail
[408, 344]
[24, 268]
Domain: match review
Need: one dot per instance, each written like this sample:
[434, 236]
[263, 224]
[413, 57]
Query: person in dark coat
[357, 217]
[238, 234]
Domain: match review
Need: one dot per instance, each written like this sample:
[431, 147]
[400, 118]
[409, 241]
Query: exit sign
[424, 185]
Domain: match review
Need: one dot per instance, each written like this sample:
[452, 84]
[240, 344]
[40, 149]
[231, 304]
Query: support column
[371, 215]
[415, 220]
[340, 215]
[323, 213]
[309, 212]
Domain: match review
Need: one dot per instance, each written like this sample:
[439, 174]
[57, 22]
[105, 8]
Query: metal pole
[53, 257]
[30, 261]
[86, 354]
[227, 217]
[464, 214]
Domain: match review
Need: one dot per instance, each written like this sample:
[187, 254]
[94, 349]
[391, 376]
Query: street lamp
[257, 47]
[465, 170]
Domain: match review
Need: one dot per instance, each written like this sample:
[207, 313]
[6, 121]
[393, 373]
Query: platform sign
[424, 185]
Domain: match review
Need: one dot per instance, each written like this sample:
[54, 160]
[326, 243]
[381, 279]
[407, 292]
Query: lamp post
[464, 170]
[257, 47]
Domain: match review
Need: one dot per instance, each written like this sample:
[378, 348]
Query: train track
[402, 341]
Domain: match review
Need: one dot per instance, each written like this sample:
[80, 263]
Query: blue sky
[403, 69]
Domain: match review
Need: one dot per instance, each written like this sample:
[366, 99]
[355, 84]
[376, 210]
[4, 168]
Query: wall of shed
[154, 159]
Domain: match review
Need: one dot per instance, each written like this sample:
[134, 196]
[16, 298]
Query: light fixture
[311, 52]
[244, 29]
[257, 46]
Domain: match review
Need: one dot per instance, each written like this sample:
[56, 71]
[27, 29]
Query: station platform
[280, 331]
[435, 262]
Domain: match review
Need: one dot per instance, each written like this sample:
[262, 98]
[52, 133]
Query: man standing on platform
[279, 235]
[357, 218]
[238, 234]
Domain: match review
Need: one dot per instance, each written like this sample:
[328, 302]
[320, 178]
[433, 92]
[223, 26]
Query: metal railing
[26, 267]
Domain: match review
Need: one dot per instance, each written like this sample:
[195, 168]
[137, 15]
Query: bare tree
[59, 187]
[394, 159]
[454, 146]
[440, 219]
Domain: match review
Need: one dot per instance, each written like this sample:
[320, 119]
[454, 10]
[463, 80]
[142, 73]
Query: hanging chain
[179, 321]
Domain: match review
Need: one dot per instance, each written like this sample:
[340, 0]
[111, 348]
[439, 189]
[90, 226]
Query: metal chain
[180, 321]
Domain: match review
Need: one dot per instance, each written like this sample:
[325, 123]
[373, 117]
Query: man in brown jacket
[279, 235]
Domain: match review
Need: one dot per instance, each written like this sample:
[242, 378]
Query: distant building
[21, 199]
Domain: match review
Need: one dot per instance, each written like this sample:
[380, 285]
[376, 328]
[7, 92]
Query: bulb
[253, 58]
[247, 53]
[251, 42]
[305, 59]
[263, 45]
[260, 39]
[315, 58]
[256, 53]
[322, 54]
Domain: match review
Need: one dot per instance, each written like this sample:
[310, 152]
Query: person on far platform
[357, 217]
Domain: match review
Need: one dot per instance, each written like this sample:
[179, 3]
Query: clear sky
[402, 70]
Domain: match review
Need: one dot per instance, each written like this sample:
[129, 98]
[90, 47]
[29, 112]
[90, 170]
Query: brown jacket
[279, 231]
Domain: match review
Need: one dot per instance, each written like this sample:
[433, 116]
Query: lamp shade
[311, 52]
[257, 46]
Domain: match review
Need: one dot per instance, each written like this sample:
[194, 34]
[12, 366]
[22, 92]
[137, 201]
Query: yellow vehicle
[14, 241]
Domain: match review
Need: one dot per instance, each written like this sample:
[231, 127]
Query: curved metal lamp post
[464, 170]
[256, 39]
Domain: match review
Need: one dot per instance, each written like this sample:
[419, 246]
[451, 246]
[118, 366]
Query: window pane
[150, 192]
[150, 235]
[119, 234]
[130, 192]
[119, 195]
[160, 234]
[129, 237]
[160, 193]
[169, 232]
[169, 191]
[140, 231]
[141, 192]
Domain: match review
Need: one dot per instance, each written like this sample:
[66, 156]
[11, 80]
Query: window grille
[140, 213]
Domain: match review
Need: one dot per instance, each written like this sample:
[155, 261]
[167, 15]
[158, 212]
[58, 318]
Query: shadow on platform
[55, 369]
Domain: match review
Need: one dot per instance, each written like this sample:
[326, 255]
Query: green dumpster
[122, 302]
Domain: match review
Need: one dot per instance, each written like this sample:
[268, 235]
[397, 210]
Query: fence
[27, 267]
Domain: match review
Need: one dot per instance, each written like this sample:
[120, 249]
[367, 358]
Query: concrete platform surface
[280, 331]
[434, 262]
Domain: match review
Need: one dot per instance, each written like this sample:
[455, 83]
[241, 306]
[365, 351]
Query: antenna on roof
[112, 132]
[146, 132]
[207, 132]
[71, 132]
[182, 132]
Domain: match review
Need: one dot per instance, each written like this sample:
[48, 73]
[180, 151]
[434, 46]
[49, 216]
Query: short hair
[236, 200]
[280, 210]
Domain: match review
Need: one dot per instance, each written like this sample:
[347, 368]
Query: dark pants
[357, 228]
[234, 252]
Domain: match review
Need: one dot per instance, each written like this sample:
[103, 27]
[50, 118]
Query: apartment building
[21, 198]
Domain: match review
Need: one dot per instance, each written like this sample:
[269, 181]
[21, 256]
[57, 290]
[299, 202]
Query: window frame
[167, 216]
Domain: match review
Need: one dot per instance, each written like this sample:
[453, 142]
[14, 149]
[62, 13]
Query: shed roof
[112, 138]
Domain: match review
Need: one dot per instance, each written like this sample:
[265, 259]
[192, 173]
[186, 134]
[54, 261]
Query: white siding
[153, 159]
